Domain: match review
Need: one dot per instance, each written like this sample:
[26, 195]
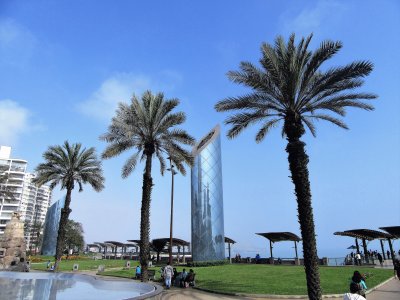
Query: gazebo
[368, 235]
[280, 237]
[104, 246]
[175, 242]
[114, 246]
[229, 242]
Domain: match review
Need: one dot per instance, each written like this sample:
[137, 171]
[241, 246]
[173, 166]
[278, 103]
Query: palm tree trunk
[65, 211]
[145, 217]
[298, 160]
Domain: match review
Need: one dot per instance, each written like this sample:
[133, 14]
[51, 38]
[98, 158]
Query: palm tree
[68, 165]
[147, 125]
[291, 87]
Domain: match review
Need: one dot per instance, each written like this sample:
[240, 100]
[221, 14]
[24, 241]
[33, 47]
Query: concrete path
[388, 291]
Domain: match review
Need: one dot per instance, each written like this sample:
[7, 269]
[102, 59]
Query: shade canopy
[229, 241]
[367, 234]
[280, 236]
[393, 230]
[175, 241]
[115, 244]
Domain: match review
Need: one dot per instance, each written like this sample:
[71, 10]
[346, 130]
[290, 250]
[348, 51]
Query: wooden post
[383, 250]
[391, 250]
[357, 246]
[229, 251]
[365, 250]
[271, 259]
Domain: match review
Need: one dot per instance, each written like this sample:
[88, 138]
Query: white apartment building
[30, 201]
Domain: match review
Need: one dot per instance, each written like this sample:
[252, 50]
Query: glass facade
[207, 200]
[51, 227]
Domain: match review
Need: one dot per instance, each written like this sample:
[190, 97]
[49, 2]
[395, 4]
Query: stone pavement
[388, 291]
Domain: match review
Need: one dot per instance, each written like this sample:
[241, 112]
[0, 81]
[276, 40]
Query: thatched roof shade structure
[229, 242]
[369, 235]
[280, 237]
[393, 230]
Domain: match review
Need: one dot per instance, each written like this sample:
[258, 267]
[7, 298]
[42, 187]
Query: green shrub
[207, 263]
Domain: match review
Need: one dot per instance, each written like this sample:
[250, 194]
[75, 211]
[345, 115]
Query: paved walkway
[389, 291]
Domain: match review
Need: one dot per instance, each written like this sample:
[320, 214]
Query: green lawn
[266, 279]
[280, 280]
[246, 278]
[86, 264]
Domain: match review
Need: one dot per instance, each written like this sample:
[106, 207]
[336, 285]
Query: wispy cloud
[120, 87]
[17, 43]
[320, 16]
[14, 120]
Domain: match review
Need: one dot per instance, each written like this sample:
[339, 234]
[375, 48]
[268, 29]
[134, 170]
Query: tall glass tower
[207, 199]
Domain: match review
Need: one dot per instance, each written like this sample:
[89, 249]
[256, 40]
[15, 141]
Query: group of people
[172, 277]
[358, 257]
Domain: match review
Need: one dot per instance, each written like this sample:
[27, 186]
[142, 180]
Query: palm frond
[265, 129]
[147, 125]
[328, 118]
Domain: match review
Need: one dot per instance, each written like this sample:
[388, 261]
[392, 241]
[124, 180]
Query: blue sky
[66, 64]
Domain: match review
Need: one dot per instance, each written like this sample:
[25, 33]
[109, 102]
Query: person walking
[168, 273]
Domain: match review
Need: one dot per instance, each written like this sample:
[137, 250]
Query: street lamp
[173, 172]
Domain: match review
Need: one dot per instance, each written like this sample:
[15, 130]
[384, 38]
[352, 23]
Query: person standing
[380, 259]
[168, 273]
[138, 272]
[358, 259]
[396, 267]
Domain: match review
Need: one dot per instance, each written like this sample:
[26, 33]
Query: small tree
[74, 236]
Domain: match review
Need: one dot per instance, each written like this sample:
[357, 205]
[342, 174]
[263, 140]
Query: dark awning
[229, 241]
[175, 241]
[280, 236]
[367, 234]
[393, 230]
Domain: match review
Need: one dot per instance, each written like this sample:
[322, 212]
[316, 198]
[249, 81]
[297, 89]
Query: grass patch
[274, 280]
[84, 264]
[245, 278]
[280, 280]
